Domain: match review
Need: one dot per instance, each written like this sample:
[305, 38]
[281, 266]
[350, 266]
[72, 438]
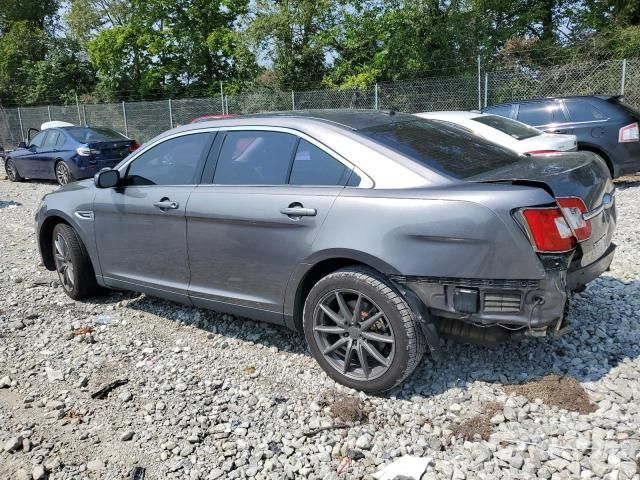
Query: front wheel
[63, 173]
[12, 171]
[361, 331]
[73, 265]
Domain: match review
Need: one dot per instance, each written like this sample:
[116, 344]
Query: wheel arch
[589, 147]
[309, 273]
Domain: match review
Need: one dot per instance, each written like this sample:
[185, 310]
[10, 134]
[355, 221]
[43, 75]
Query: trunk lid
[111, 150]
[575, 174]
[550, 141]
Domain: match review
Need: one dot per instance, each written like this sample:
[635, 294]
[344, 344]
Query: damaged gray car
[373, 233]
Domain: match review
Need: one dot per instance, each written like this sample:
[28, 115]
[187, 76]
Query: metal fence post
[293, 100]
[84, 114]
[226, 105]
[375, 97]
[78, 107]
[21, 127]
[170, 114]
[479, 86]
[486, 87]
[124, 116]
[624, 75]
[49, 111]
[222, 96]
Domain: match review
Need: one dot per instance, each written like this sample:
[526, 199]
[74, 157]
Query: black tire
[63, 173]
[73, 265]
[12, 171]
[368, 289]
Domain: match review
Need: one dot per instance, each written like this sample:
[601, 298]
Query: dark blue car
[603, 125]
[66, 154]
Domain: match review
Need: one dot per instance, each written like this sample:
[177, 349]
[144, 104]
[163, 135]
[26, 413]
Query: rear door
[547, 115]
[141, 226]
[269, 193]
[48, 153]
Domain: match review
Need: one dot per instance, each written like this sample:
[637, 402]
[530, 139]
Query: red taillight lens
[549, 230]
[541, 152]
[573, 208]
[629, 133]
[133, 147]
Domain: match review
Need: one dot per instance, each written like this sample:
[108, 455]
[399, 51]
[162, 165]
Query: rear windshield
[514, 129]
[447, 149]
[94, 134]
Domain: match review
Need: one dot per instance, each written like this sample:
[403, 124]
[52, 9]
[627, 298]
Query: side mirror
[22, 145]
[107, 178]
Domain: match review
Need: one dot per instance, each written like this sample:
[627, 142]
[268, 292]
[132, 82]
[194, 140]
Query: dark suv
[604, 125]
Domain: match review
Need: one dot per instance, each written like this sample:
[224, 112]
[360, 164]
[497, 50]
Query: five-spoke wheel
[63, 174]
[72, 262]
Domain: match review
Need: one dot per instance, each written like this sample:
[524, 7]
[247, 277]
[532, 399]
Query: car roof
[352, 119]
[455, 114]
[538, 99]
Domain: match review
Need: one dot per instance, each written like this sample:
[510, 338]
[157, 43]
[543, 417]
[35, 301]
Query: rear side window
[94, 134]
[61, 140]
[173, 162]
[541, 113]
[514, 129]
[502, 110]
[255, 158]
[440, 147]
[313, 166]
[52, 139]
[583, 111]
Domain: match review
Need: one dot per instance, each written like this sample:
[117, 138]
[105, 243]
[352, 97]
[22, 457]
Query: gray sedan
[374, 233]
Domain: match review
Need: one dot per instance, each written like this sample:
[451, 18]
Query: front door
[250, 228]
[141, 225]
[28, 160]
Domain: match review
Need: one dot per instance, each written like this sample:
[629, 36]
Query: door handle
[299, 212]
[166, 204]
[557, 131]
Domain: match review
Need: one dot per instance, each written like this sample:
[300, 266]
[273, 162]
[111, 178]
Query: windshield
[447, 149]
[94, 134]
[514, 129]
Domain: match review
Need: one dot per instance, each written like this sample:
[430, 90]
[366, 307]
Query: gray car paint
[245, 257]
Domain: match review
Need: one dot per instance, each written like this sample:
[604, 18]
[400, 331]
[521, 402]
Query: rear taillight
[133, 147]
[549, 230]
[86, 151]
[541, 152]
[573, 209]
[629, 133]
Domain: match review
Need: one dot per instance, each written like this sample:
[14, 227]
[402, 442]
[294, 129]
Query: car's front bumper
[533, 305]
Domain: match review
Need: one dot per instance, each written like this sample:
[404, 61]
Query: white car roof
[55, 124]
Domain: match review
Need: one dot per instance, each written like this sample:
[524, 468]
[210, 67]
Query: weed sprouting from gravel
[349, 410]
[478, 425]
[556, 390]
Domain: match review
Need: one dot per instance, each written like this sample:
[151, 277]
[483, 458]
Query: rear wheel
[361, 331]
[12, 171]
[73, 265]
[63, 173]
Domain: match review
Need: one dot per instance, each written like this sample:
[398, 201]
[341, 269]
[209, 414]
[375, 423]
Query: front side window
[313, 166]
[514, 129]
[540, 113]
[440, 147]
[255, 158]
[52, 139]
[175, 161]
[38, 140]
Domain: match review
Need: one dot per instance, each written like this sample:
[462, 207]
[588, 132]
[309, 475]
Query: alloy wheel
[62, 173]
[64, 264]
[11, 171]
[353, 334]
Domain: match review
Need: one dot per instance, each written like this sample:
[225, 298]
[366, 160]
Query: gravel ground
[210, 396]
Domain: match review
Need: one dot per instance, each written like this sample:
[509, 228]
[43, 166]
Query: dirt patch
[563, 392]
[86, 330]
[479, 425]
[349, 410]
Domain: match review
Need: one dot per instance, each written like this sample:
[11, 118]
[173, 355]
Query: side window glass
[173, 162]
[38, 140]
[61, 140]
[313, 166]
[255, 158]
[502, 110]
[582, 111]
[540, 113]
[52, 139]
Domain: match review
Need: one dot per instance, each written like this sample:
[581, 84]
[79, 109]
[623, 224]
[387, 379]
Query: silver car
[374, 233]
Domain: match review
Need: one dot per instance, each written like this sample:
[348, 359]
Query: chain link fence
[143, 120]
